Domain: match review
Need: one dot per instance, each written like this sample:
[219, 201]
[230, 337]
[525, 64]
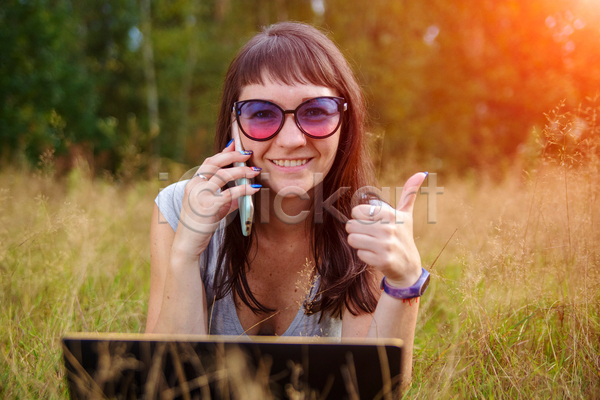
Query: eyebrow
[301, 101]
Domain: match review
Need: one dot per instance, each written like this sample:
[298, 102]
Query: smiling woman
[299, 109]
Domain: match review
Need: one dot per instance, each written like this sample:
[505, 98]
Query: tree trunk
[151, 90]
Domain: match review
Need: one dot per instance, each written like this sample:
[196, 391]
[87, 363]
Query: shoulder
[169, 202]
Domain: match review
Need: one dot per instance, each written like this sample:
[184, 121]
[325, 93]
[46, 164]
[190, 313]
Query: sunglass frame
[237, 110]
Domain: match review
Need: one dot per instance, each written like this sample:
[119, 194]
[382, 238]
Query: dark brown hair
[293, 53]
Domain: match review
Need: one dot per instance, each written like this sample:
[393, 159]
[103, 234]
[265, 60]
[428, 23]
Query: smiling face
[290, 158]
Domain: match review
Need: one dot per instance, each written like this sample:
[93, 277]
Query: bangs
[286, 60]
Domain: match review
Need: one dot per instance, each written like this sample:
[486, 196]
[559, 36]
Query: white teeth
[290, 163]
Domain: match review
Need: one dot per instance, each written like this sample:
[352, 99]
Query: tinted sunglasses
[317, 118]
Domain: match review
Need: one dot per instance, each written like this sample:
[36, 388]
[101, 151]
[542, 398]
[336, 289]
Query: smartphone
[246, 205]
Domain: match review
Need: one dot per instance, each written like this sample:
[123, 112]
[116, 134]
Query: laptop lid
[136, 366]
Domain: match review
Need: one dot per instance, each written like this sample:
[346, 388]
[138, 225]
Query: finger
[232, 195]
[362, 241]
[380, 212]
[230, 147]
[218, 176]
[236, 192]
[409, 192]
[378, 229]
[223, 159]
[369, 257]
[232, 206]
[206, 201]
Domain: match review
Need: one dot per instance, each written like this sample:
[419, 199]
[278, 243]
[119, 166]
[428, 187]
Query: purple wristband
[411, 292]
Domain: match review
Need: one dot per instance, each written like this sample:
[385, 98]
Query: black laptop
[134, 366]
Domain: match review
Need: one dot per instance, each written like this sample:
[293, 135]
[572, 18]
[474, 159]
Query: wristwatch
[411, 292]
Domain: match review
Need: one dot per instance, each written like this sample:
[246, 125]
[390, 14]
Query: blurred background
[500, 97]
[127, 85]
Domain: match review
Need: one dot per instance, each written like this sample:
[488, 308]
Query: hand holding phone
[246, 205]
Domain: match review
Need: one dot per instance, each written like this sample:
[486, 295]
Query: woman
[313, 262]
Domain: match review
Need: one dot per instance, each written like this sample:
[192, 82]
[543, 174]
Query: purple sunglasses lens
[319, 117]
[260, 119]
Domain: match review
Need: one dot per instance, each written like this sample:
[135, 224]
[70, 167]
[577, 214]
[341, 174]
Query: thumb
[410, 190]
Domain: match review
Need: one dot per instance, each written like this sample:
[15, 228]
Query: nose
[290, 134]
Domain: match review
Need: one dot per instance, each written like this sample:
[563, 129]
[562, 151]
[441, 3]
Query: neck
[282, 217]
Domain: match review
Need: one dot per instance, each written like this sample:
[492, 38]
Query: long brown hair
[292, 53]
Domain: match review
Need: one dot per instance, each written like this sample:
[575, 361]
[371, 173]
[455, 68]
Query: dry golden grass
[74, 256]
[513, 310]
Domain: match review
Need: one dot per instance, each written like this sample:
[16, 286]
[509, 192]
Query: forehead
[283, 94]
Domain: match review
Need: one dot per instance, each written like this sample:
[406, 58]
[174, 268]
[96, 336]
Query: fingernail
[246, 152]
[231, 141]
[426, 173]
[256, 169]
[256, 185]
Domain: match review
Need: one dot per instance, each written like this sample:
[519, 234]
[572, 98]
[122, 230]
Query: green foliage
[451, 85]
[46, 97]
[462, 84]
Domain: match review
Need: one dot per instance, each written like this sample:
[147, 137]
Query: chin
[296, 188]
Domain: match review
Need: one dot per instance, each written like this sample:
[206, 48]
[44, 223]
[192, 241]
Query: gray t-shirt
[223, 319]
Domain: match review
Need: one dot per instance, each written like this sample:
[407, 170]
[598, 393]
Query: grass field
[513, 310]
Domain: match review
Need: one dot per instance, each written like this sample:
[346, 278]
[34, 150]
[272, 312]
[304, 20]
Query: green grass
[513, 310]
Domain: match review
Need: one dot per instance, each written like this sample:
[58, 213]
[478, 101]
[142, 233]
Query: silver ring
[202, 177]
[372, 212]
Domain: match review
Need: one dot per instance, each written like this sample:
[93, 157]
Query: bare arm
[392, 318]
[161, 240]
[177, 298]
[385, 241]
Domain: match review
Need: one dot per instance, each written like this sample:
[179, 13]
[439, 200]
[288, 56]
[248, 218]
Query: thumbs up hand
[383, 236]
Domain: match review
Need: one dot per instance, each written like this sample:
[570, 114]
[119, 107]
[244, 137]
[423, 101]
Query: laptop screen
[129, 366]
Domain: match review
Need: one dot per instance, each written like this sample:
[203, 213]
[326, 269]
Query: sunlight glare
[431, 34]
[578, 24]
